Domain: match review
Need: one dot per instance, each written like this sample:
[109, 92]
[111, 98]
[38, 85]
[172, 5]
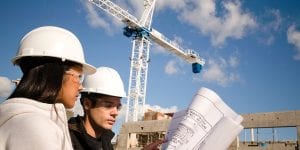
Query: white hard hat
[105, 81]
[51, 41]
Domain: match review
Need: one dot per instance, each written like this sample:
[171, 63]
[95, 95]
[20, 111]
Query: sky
[251, 48]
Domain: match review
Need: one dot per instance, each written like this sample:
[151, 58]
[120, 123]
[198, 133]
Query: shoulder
[76, 124]
[76, 133]
[29, 127]
[37, 123]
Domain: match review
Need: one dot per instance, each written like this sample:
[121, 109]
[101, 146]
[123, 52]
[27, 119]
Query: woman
[34, 116]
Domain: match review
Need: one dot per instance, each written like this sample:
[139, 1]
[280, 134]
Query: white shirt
[31, 125]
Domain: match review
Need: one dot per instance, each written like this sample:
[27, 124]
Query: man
[100, 99]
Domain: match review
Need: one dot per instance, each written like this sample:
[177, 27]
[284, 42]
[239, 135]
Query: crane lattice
[143, 34]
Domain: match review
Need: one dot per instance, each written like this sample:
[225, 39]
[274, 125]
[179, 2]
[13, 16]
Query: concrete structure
[151, 130]
[143, 128]
[274, 119]
[270, 120]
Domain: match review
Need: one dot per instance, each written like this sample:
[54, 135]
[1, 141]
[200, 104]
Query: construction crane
[142, 34]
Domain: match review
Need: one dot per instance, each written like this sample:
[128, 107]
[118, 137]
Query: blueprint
[208, 123]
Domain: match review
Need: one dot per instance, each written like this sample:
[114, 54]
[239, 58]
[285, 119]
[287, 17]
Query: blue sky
[252, 48]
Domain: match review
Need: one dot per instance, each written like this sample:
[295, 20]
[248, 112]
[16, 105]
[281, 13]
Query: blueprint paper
[207, 120]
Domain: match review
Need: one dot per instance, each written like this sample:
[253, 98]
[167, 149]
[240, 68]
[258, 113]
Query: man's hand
[154, 145]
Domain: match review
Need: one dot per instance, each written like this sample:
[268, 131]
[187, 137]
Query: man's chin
[108, 127]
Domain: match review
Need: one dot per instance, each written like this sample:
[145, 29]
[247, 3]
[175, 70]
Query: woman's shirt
[31, 125]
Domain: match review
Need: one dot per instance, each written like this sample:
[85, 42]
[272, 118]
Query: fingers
[154, 145]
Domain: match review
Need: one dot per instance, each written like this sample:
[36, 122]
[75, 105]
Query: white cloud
[161, 109]
[276, 22]
[233, 24]
[271, 27]
[220, 71]
[93, 18]
[294, 38]
[137, 7]
[172, 4]
[6, 87]
[175, 66]
[234, 61]
[202, 14]
[106, 21]
[171, 67]
[98, 18]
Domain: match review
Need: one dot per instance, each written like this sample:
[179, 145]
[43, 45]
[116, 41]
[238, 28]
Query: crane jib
[142, 33]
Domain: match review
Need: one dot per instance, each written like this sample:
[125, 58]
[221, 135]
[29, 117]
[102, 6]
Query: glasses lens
[79, 77]
[110, 105]
[106, 104]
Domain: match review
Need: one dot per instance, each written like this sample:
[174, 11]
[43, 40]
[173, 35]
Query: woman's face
[71, 86]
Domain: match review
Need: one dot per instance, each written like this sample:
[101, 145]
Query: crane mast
[143, 34]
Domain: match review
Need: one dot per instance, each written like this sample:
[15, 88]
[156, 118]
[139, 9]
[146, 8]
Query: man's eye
[119, 107]
[108, 105]
[111, 105]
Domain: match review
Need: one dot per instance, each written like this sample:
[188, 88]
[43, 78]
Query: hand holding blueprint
[207, 124]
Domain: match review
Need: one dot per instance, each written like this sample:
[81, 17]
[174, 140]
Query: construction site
[139, 128]
[142, 127]
[155, 125]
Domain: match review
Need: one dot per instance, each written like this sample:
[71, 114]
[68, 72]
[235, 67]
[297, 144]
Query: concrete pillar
[237, 142]
[298, 136]
[252, 135]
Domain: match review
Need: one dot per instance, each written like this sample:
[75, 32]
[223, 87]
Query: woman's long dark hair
[42, 78]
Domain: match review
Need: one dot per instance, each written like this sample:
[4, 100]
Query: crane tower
[142, 34]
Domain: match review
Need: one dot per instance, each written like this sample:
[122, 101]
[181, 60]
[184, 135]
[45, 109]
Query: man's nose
[114, 111]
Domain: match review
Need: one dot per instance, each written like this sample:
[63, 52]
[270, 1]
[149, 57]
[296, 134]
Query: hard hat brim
[88, 69]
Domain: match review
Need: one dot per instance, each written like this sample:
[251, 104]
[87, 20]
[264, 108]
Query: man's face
[104, 113]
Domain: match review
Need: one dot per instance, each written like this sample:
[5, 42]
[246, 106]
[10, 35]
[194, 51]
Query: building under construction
[155, 125]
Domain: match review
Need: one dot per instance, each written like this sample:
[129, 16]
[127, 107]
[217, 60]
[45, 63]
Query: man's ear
[87, 104]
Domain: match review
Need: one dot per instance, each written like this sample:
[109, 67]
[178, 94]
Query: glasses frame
[104, 103]
[78, 76]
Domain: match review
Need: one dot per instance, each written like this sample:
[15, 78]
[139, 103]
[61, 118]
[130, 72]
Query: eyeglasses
[106, 104]
[110, 105]
[78, 76]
